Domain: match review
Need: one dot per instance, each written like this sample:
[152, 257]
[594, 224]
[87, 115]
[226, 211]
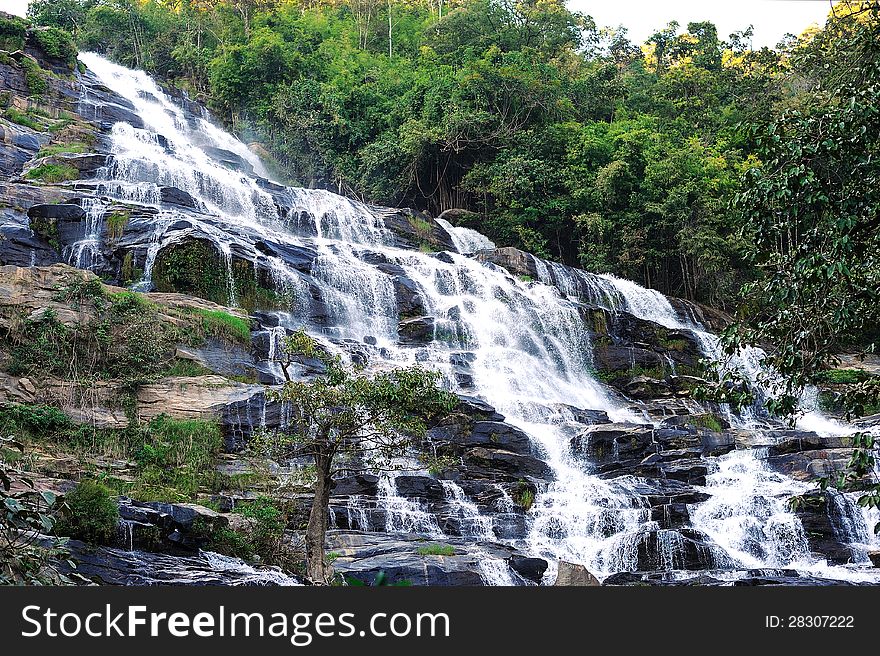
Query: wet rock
[811, 465]
[612, 445]
[671, 515]
[488, 434]
[175, 196]
[423, 487]
[682, 549]
[644, 387]
[364, 555]
[624, 358]
[528, 567]
[477, 408]
[109, 566]
[63, 211]
[582, 416]
[573, 574]
[689, 471]
[517, 262]
[416, 331]
[821, 520]
[362, 484]
[658, 491]
[505, 464]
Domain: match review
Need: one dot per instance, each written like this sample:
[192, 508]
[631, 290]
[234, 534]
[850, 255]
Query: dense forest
[691, 163]
[539, 127]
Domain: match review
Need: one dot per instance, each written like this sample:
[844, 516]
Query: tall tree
[347, 421]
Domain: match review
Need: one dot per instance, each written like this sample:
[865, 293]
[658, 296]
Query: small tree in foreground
[345, 417]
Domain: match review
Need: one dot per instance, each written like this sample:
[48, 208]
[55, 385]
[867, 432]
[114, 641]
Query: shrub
[56, 43]
[437, 550]
[21, 118]
[90, 514]
[223, 325]
[52, 173]
[12, 33]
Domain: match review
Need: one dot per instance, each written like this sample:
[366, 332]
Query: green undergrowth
[197, 268]
[173, 459]
[52, 173]
[119, 336]
[437, 550]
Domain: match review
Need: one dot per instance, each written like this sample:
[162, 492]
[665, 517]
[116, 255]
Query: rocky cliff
[193, 343]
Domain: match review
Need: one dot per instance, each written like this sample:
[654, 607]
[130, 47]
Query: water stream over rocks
[560, 457]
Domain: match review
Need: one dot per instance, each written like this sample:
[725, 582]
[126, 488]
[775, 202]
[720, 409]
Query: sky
[772, 18]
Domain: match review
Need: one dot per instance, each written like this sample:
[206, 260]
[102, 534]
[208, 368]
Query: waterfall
[466, 241]
[529, 348]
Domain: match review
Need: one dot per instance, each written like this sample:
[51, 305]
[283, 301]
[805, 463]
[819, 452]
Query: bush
[437, 550]
[90, 514]
[12, 33]
[52, 173]
[56, 43]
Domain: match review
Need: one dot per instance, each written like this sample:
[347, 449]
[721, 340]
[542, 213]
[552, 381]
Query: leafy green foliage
[28, 553]
[557, 136]
[812, 211]
[437, 550]
[51, 172]
[12, 33]
[348, 421]
[56, 43]
[90, 513]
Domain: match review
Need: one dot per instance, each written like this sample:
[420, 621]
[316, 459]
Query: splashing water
[531, 350]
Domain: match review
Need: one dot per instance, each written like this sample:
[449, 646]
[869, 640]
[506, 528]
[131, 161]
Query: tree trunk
[316, 567]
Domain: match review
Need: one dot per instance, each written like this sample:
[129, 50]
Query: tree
[812, 212]
[348, 421]
[66, 14]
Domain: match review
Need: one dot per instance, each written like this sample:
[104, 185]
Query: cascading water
[529, 348]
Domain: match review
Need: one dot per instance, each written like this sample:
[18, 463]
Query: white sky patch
[772, 19]
[17, 7]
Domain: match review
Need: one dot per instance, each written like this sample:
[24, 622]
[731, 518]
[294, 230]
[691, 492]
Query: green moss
[843, 376]
[13, 31]
[22, 118]
[708, 421]
[437, 550]
[74, 147]
[196, 268]
[52, 173]
[56, 43]
[116, 223]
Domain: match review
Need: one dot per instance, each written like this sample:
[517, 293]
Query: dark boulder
[422, 487]
[63, 211]
[416, 331]
[528, 567]
[505, 465]
[359, 484]
[175, 196]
